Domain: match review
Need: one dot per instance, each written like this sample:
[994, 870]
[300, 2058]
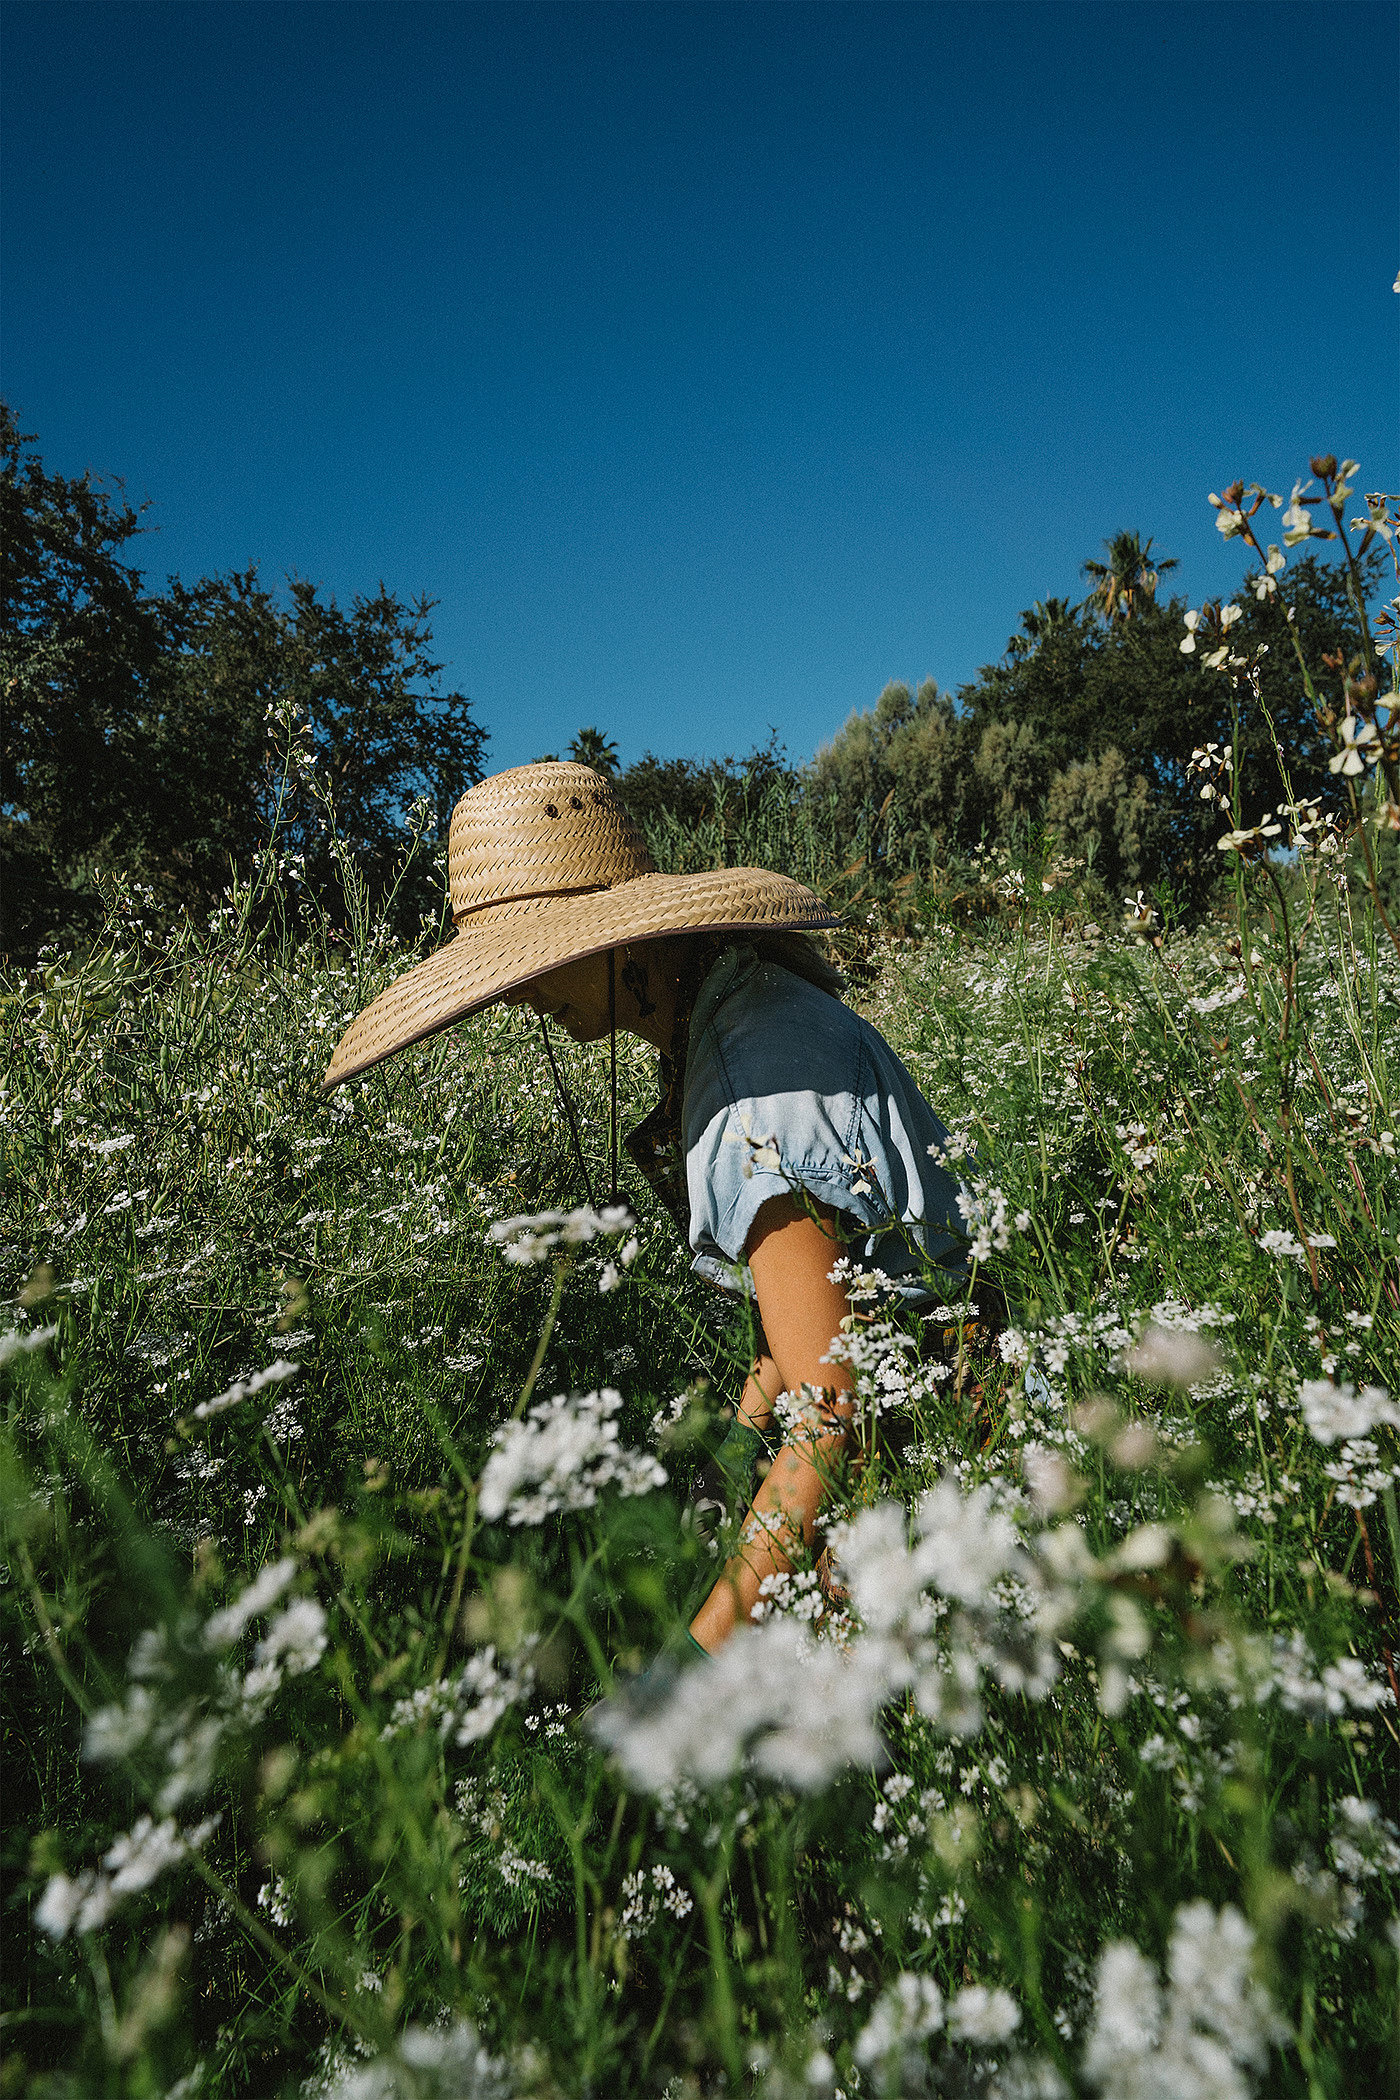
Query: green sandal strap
[739, 1452]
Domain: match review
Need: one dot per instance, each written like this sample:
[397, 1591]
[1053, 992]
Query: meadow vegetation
[350, 1470]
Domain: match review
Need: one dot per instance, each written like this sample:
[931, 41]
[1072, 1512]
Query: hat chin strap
[566, 1099]
[567, 1104]
[614, 1195]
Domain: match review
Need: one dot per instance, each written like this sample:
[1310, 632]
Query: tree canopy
[170, 733]
[163, 732]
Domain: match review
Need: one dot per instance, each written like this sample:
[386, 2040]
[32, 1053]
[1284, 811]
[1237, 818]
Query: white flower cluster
[293, 1644]
[1286, 1246]
[244, 1388]
[644, 1898]
[1171, 1356]
[864, 1286]
[1340, 1411]
[1364, 1847]
[1211, 1002]
[1204, 2037]
[536, 1235]
[468, 1706]
[880, 1358]
[1212, 623]
[1250, 1667]
[797, 1594]
[1137, 1141]
[561, 1457]
[183, 1733]
[965, 1598]
[426, 2063]
[1088, 1332]
[132, 1863]
[799, 1708]
[1337, 1688]
[20, 1341]
[484, 1812]
[985, 1219]
[912, 2011]
[807, 1415]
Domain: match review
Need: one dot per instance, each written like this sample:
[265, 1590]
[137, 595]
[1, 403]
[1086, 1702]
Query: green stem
[708, 1891]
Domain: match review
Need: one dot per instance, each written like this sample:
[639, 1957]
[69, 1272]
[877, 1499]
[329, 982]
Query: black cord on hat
[566, 1103]
[615, 1196]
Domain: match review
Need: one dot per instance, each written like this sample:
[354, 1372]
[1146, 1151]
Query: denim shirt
[784, 1085]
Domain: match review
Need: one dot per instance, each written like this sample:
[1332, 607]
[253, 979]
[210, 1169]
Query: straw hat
[545, 866]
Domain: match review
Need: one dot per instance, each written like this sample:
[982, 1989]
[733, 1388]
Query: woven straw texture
[544, 867]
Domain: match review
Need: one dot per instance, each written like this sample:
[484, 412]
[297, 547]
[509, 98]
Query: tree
[591, 748]
[389, 748]
[77, 644]
[1127, 580]
[146, 732]
[1098, 813]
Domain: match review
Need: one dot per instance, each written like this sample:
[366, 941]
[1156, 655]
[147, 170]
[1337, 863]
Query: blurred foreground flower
[561, 1457]
[426, 2063]
[1333, 1411]
[534, 1236]
[1211, 2029]
[1171, 1356]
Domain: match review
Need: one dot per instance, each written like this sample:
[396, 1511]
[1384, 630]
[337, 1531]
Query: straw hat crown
[545, 867]
[548, 830]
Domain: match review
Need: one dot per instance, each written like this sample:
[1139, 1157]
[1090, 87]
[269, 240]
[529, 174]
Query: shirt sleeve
[773, 1105]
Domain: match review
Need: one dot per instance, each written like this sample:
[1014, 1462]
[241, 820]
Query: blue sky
[710, 365]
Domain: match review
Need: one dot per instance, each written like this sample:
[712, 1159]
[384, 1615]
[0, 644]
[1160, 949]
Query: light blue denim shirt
[786, 1085]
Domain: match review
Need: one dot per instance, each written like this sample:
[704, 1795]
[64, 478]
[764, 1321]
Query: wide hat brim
[507, 945]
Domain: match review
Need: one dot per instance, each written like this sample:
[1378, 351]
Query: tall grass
[1084, 1786]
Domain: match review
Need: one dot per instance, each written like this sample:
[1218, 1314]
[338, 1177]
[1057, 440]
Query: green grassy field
[1085, 1785]
[355, 1493]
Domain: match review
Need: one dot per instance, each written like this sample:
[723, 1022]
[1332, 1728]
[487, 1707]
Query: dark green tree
[78, 641]
[392, 751]
[151, 732]
[591, 748]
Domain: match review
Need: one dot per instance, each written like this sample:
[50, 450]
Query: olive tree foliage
[898, 779]
[170, 735]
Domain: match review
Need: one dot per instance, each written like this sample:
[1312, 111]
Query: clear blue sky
[710, 365]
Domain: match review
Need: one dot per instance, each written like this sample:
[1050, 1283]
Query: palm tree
[1039, 622]
[1127, 579]
[591, 748]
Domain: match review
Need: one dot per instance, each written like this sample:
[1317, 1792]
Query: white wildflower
[1171, 1356]
[1333, 1411]
[1199, 2041]
[296, 1639]
[244, 1388]
[115, 1731]
[426, 2063]
[534, 1236]
[1053, 1483]
[278, 1898]
[20, 1342]
[561, 1457]
[982, 2017]
[908, 2012]
[799, 1709]
[466, 1708]
[966, 1544]
[61, 1906]
[132, 1862]
[224, 1627]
